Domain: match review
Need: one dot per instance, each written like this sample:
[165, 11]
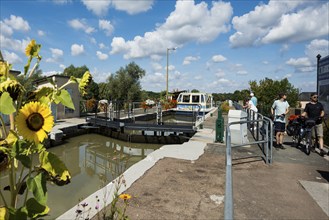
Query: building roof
[44, 79]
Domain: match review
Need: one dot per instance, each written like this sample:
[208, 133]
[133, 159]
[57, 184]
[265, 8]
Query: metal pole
[167, 77]
[167, 73]
[317, 74]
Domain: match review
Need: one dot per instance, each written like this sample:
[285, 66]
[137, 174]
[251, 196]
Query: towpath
[295, 186]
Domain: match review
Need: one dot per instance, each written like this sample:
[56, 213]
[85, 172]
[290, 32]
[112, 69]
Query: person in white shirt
[250, 105]
[279, 110]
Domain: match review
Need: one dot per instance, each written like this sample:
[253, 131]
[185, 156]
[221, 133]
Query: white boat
[194, 102]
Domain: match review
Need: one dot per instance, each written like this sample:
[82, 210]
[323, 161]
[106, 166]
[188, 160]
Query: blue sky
[221, 45]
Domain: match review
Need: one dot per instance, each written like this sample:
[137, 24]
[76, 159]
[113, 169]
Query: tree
[125, 84]
[104, 90]
[75, 71]
[268, 90]
[195, 91]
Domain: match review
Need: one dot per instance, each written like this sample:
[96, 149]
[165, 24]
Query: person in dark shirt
[314, 110]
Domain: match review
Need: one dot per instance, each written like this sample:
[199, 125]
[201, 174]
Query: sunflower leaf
[7, 104]
[35, 209]
[54, 166]
[65, 99]
[38, 186]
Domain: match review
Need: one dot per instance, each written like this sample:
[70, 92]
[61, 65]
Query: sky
[212, 46]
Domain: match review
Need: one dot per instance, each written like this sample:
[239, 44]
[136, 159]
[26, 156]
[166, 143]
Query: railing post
[219, 126]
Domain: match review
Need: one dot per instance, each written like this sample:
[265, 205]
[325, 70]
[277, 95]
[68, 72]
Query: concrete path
[188, 182]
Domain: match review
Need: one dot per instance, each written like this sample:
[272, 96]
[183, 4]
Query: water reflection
[93, 161]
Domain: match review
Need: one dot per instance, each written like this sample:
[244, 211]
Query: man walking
[279, 109]
[314, 110]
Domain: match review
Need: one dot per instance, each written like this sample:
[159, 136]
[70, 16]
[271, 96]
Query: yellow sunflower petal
[33, 121]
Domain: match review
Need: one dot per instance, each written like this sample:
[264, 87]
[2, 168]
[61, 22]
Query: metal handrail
[268, 139]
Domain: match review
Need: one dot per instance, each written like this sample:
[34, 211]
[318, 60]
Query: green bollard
[220, 126]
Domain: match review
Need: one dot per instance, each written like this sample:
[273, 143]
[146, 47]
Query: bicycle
[300, 129]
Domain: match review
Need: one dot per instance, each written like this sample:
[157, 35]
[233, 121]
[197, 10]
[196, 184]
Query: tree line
[124, 85]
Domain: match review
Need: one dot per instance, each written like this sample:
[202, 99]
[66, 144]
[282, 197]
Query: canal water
[93, 161]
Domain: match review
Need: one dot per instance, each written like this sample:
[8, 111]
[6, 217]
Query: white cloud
[242, 72]
[303, 64]
[80, 24]
[101, 56]
[133, 7]
[102, 46]
[289, 75]
[189, 22]
[51, 72]
[12, 44]
[12, 58]
[106, 26]
[156, 67]
[41, 33]
[220, 73]
[218, 58]
[93, 40]
[317, 47]
[77, 49]
[56, 55]
[62, 66]
[189, 59]
[62, 2]
[280, 21]
[17, 23]
[300, 26]
[99, 8]
[99, 76]
[5, 29]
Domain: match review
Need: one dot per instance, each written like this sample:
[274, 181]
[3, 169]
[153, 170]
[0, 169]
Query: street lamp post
[168, 49]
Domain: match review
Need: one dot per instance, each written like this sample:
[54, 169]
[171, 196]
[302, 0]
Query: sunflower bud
[84, 82]
[32, 49]
[13, 87]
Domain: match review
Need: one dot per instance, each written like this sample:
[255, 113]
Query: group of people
[313, 110]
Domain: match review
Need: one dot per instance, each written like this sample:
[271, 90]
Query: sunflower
[33, 121]
[13, 87]
[84, 82]
[32, 49]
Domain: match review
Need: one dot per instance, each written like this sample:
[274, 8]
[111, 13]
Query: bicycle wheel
[308, 143]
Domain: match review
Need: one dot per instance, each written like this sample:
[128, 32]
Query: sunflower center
[35, 121]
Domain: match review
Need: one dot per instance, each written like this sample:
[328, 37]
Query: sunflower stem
[28, 175]
[4, 131]
[33, 69]
[12, 181]
[66, 84]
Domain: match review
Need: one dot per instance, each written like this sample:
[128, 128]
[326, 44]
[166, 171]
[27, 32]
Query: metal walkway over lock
[142, 127]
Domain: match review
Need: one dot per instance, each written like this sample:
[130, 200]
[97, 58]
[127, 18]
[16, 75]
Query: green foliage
[7, 104]
[30, 121]
[267, 92]
[125, 85]
[225, 107]
[195, 91]
[75, 71]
